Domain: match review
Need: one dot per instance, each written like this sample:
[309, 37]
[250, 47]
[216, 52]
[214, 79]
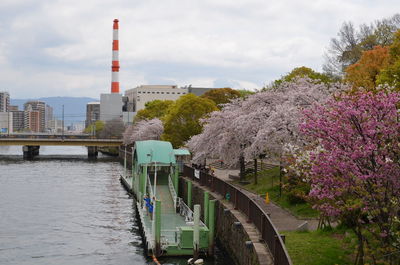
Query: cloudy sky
[63, 47]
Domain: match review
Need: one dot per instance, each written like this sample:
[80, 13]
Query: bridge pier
[30, 151]
[92, 151]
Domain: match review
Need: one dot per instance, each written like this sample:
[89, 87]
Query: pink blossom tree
[143, 130]
[356, 174]
[260, 124]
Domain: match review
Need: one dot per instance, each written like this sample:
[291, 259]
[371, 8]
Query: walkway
[281, 218]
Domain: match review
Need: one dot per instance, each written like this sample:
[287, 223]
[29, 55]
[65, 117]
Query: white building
[6, 122]
[140, 95]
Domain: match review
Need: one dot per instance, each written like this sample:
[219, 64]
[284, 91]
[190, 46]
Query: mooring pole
[206, 199]
[211, 226]
[196, 231]
[157, 232]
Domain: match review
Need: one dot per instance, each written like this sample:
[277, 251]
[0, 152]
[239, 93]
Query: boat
[170, 227]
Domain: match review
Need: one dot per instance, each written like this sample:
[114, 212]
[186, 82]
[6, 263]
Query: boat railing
[147, 230]
[172, 191]
[169, 237]
[149, 188]
[186, 212]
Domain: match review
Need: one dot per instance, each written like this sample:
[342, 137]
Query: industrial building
[140, 95]
[111, 103]
[114, 106]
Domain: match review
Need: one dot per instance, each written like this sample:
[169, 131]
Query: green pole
[211, 226]
[158, 227]
[196, 231]
[189, 194]
[176, 178]
[143, 180]
[206, 199]
[125, 170]
[133, 164]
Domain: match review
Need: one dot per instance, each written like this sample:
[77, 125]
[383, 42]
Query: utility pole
[8, 123]
[62, 122]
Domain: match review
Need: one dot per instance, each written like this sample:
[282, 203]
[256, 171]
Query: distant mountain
[74, 107]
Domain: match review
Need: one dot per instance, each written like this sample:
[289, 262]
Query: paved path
[281, 218]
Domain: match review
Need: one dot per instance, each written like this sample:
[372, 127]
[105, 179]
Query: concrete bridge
[32, 142]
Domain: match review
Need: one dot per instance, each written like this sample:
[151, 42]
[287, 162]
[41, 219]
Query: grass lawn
[268, 181]
[320, 247]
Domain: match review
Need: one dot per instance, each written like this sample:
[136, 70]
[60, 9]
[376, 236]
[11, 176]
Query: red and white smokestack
[115, 60]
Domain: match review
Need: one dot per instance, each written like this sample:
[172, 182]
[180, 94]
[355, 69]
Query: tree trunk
[242, 167]
[280, 179]
[255, 171]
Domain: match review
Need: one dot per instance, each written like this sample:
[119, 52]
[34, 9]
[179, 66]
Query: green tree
[95, 128]
[244, 93]
[183, 118]
[303, 72]
[153, 109]
[221, 95]
[391, 74]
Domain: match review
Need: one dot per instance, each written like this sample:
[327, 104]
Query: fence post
[248, 209]
[236, 199]
[262, 226]
[211, 227]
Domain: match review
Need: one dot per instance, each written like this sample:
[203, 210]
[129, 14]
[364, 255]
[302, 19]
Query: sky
[63, 47]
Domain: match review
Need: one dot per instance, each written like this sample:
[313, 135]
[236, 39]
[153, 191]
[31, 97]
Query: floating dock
[171, 228]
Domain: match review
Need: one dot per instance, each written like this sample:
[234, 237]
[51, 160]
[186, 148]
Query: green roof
[181, 152]
[152, 151]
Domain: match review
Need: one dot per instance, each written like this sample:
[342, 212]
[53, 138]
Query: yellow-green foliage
[154, 109]
[182, 119]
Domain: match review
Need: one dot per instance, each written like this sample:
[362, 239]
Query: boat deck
[170, 220]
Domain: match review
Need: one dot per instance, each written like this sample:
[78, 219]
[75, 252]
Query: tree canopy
[154, 109]
[259, 124]
[391, 73]
[221, 95]
[303, 71]
[346, 49]
[182, 119]
[143, 130]
[355, 174]
[365, 72]
[94, 128]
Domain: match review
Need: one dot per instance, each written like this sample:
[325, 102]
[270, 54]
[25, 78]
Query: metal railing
[251, 209]
[185, 211]
[172, 191]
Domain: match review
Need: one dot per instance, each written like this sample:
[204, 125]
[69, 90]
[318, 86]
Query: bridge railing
[251, 209]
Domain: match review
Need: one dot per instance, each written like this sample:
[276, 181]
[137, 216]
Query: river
[62, 208]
